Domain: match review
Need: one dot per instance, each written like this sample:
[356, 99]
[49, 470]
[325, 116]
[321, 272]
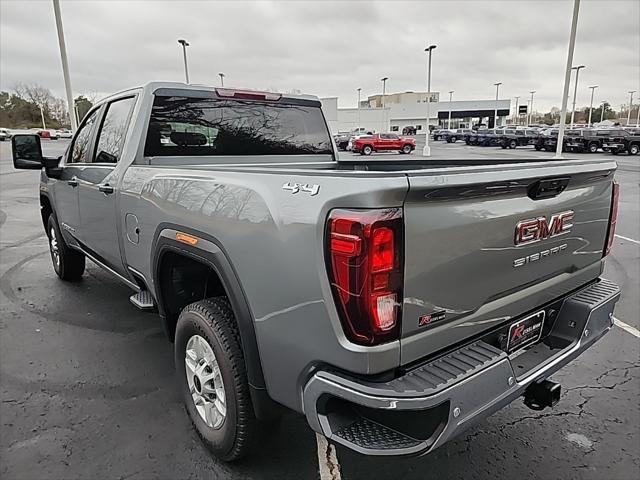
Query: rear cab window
[189, 126]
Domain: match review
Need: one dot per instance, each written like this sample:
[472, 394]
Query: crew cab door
[99, 230]
[65, 188]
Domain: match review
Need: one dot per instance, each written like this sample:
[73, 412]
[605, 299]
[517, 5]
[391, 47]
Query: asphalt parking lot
[87, 385]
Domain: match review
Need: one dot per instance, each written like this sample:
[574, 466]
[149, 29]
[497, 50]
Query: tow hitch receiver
[540, 395]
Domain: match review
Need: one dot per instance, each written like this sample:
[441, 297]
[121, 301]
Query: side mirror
[27, 152]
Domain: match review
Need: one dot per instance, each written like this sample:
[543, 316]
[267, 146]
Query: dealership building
[398, 110]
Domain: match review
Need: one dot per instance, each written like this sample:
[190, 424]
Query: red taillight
[613, 218]
[364, 249]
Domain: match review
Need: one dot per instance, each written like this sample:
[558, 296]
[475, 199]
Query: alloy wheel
[205, 382]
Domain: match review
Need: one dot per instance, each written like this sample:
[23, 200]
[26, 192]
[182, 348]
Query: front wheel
[407, 149]
[454, 139]
[633, 149]
[68, 263]
[213, 379]
[513, 144]
[593, 147]
[366, 150]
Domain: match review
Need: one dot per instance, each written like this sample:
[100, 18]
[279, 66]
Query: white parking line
[628, 239]
[626, 327]
[327, 459]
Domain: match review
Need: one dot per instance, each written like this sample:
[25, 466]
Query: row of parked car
[7, 133]
[582, 140]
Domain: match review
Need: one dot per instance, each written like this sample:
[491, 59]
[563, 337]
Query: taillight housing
[613, 218]
[365, 266]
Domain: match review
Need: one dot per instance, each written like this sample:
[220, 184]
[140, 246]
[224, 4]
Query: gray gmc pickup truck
[392, 302]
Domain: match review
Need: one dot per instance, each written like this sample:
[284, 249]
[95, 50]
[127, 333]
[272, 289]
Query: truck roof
[152, 87]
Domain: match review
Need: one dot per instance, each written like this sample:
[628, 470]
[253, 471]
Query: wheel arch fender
[209, 251]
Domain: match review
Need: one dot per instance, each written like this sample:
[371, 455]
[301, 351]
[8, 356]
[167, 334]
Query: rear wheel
[593, 147]
[454, 139]
[513, 144]
[366, 150]
[633, 149]
[68, 263]
[213, 379]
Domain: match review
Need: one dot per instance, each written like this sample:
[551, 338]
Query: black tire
[633, 149]
[69, 264]
[513, 144]
[454, 139]
[367, 150]
[537, 147]
[593, 147]
[406, 149]
[615, 151]
[213, 320]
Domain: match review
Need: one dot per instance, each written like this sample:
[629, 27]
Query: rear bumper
[418, 412]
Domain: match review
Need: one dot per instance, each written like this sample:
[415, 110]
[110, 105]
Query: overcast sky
[328, 48]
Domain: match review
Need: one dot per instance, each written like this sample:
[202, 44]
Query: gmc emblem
[536, 229]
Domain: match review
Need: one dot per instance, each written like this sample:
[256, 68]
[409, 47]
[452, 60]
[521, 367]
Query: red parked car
[384, 142]
[50, 134]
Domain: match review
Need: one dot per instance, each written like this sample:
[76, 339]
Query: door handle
[73, 181]
[106, 189]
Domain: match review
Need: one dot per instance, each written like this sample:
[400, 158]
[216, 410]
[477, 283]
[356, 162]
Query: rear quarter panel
[274, 241]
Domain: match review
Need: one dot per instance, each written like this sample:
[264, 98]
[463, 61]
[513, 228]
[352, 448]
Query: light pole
[495, 113]
[593, 88]
[450, 99]
[359, 90]
[638, 116]
[567, 78]
[426, 151]
[516, 115]
[602, 112]
[384, 92]
[185, 44]
[631, 92]
[221, 75]
[575, 92]
[44, 126]
[531, 108]
[65, 64]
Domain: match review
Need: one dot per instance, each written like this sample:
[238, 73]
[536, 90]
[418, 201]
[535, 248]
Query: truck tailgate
[466, 267]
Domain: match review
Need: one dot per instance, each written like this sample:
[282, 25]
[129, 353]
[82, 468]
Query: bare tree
[58, 111]
[35, 93]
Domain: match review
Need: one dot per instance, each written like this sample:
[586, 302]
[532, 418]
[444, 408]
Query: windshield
[181, 126]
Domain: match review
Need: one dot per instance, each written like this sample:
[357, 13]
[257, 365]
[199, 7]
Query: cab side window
[80, 150]
[113, 131]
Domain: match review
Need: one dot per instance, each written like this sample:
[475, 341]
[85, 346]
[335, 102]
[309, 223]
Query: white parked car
[65, 133]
